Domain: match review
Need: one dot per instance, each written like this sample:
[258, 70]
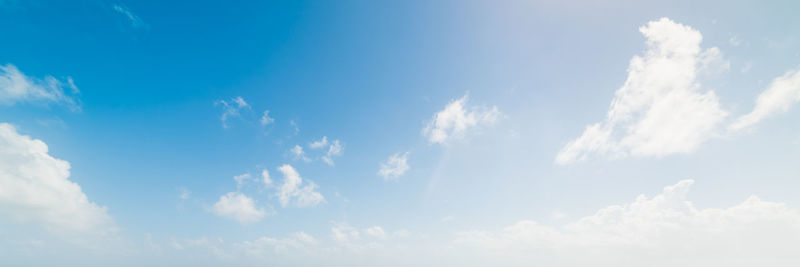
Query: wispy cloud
[16, 87]
[132, 18]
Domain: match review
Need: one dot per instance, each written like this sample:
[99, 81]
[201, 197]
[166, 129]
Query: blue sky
[444, 133]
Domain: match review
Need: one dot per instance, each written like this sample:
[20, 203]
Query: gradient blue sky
[518, 81]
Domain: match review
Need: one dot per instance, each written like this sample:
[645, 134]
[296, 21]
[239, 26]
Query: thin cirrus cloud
[661, 109]
[35, 188]
[781, 94]
[455, 121]
[16, 88]
[132, 18]
[394, 167]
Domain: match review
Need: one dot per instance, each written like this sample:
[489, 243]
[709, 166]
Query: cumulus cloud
[395, 166]
[231, 108]
[319, 144]
[665, 230]
[781, 94]
[661, 109]
[241, 179]
[35, 188]
[265, 178]
[237, 206]
[16, 87]
[455, 121]
[294, 191]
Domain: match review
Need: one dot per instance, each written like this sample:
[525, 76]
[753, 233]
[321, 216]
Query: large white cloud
[455, 121]
[239, 207]
[781, 94]
[16, 87]
[35, 188]
[661, 109]
[294, 190]
[665, 230]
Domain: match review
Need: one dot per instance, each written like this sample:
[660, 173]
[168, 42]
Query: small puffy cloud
[319, 144]
[781, 94]
[132, 18]
[266, 119]
[661, 109]
[299, 153]
[237, 206]
[335, 149]
[455, 121]
[294, 191]
[35, 188]
[16, 87]
[231, 108]
[395, 166]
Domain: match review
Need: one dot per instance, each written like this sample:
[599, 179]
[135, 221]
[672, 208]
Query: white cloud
[16, 87]
[231, 108]
[35, 188]
[134, 20]
[319, 144]
[665, 230]
[265, 178]
[294, 191]
[241, 179]
[781, 94]
[266, 119]
[268, 246]
[237, 206]
[376, 232]
[334, 150]
[660, 110]
[395, 166]
[454, 121]
[298, 153]
[342, 232]
[184, 193]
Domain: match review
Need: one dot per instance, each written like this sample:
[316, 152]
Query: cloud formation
[231, 108]
[35, 188]
[661, 109]
[455, 121]
[237, 206]
[782, 93]
[16, 87]
[395, 166]
[665, 230]
[132, 18]
[294, 191]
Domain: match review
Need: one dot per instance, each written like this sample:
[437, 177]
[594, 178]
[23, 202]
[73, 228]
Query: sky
[399, 133]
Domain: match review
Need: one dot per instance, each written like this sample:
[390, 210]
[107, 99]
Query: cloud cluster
[334, 149]
[455, 121]
[665, 230]
[16, 87]
[35, 188]
[661, 109]
[293, 191]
